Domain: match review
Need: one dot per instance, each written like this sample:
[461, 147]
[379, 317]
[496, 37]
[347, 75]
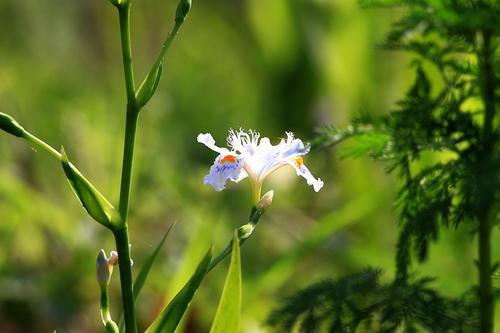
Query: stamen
[299, 161]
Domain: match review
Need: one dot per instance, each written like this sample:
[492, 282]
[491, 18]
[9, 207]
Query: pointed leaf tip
[96, 205]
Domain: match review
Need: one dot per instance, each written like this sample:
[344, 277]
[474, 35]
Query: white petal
[208, 140]
[280, 155]
[303, 171]
[222, 170]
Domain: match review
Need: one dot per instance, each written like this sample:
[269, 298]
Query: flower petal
[224, 169]
[303, 171]
[280, 155]
[208, 140]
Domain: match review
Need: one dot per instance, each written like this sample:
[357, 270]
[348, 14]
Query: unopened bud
[104, 267]
[10, 125]
[113, 258]
[245, 231]
[265, 201]
[182, 10]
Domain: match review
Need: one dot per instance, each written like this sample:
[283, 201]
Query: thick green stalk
[486, 204]
[121, 235]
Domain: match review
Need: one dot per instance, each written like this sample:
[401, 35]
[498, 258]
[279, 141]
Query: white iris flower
[256, 158]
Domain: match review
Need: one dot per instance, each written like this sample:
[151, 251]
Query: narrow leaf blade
[227, 317]
[96, 205]
[146, 268]
[169, 318]
[144, 272]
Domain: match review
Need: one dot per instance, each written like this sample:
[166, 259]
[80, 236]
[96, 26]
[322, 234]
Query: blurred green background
[273, 66]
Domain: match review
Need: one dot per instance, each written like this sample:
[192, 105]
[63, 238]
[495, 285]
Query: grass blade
[169, 318]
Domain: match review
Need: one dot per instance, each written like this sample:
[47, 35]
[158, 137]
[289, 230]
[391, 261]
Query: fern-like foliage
[360, 302]
[450, 36]
[454, 120]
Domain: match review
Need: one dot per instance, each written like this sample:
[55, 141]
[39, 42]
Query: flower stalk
[246, 230]
[104, 270]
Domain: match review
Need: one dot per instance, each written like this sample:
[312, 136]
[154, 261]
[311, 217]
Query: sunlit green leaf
[98, 207]
[169, 318]
[227, 317]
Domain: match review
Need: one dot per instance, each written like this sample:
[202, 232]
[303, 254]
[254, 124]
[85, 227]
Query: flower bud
[113, 258]
[245, 231]
[104, 267]
[10, 125]
[265, 201]
[182, 10]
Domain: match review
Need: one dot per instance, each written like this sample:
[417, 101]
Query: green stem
[167, 43]
[128, 156]
[244, 232]
[124, 263]
[121, 235]
[107, 321]
[42, 144]
[124, 16]
[486, 204]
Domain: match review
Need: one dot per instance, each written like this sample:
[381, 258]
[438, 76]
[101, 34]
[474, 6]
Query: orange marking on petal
[228, 159]
[299, 161]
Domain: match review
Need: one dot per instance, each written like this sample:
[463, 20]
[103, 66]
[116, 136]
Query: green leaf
[98, 207]
[146, 268]
[148, 86]
[227, 317]
[143, 274]
[169, 318]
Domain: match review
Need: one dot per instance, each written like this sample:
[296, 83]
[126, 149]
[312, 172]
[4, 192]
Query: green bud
[10, 125]
[111, 327]
[182, 10]
[245, 231]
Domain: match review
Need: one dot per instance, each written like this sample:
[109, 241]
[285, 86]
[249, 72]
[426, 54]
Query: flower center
[228, 159]
[299, 161]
